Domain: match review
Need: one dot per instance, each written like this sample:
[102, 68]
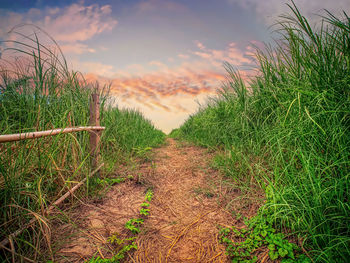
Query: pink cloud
[200, 45]
[78, 22]
[95, 67]
[202, 54]
[152, 88]
[70, 26]
[231, 54]
[202, 73]
[76, 48]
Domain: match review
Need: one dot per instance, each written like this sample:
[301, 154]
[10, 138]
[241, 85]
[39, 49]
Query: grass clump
[288, 130]
[38, 92]
[242, 245]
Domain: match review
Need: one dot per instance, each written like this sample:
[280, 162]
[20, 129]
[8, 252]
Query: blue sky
[161, 56]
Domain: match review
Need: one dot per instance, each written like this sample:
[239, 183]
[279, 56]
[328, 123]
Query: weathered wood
[6, 241]
[95, 135]
[35, 135]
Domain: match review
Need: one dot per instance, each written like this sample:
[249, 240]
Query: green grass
[289, 129]
[40, 93]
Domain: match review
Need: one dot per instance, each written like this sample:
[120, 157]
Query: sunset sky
[162, 57]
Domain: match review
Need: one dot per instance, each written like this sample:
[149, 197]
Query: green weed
[145, 204]
[124, 245]
[149, 195]
[259, 233]
[134, 225]
[110, 181]
[144, 212]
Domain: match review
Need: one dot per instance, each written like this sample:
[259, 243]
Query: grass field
[288, 131]
[38, 92]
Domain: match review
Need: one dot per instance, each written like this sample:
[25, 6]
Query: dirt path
[185, 213]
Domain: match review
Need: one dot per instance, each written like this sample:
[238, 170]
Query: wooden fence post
[95, 135]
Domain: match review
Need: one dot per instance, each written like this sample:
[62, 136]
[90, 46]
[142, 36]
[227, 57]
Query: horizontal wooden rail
[34, 135]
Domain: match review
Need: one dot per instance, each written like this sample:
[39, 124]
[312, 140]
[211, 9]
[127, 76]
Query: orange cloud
[166, 108]
[161, 86]
[156, 86]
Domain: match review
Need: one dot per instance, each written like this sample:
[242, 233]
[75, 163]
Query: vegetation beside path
[287, 131]
[38, 92]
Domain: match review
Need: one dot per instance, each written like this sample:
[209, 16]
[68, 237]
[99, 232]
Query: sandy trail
[185, 212]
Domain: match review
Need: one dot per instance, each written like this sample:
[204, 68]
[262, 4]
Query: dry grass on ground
[191, 201]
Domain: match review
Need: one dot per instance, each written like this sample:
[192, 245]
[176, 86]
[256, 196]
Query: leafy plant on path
[134, 225]
[124, 245]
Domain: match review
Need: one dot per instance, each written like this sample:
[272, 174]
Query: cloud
[161, 89]
[78, 22]
[231, 54]
[150, 84]
[97, 68]
[200, 45]
[164, 107]
[70, 26]
[270, 10]
[76, 48]
[153, 88]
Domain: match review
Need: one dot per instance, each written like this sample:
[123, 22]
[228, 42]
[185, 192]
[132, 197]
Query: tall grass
[38, 92]
[290, 128]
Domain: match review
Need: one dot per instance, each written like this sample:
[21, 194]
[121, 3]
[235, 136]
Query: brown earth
[191, 201]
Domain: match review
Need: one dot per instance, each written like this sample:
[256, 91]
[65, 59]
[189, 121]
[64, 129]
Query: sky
[161, 57]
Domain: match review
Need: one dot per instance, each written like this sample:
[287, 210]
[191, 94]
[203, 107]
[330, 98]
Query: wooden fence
[95, 131]
[95, 134]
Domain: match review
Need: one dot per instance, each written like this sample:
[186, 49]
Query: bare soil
[191, 201]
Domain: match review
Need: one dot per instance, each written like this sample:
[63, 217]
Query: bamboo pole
[95, 135]
[6, 240]
[35, 135]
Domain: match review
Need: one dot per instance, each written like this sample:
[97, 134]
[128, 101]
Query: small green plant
[127, 248]
[117, 257]
[144, 211]
[149, 195]
[124, 245]
[143, 152]
[110, 181]
[102, 260]
[145, 204]
[134, 225]
[259, 233]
